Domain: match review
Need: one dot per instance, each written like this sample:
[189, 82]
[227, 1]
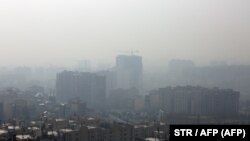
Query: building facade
[129, 69]
[90, 88]
[195, 101]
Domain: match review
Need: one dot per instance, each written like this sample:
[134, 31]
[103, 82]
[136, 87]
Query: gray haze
[121, 69]
[42, 32]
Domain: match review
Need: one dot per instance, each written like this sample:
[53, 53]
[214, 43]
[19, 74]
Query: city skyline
[132, 70]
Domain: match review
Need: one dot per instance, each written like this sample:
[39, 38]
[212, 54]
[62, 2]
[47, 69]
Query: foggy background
[86, 65]
[61, 32]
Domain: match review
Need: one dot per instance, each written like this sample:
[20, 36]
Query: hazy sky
[64, 31]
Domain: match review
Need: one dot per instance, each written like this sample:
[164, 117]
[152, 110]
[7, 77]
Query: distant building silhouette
[122, 99]
[194, 101]
[89, 87]
[129, 69]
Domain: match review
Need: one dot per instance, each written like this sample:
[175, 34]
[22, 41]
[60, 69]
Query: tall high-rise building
[129, 69]
[89, 87]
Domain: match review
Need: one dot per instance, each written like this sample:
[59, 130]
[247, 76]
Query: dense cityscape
[112, 105]
[124, 70]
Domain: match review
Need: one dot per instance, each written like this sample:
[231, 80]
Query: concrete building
[121, 132]
[122, 99]
[110, 80]
[139, 103]
[196, 101]
[129, 69]
[90, 88]
[16, 106]
[152, 101]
